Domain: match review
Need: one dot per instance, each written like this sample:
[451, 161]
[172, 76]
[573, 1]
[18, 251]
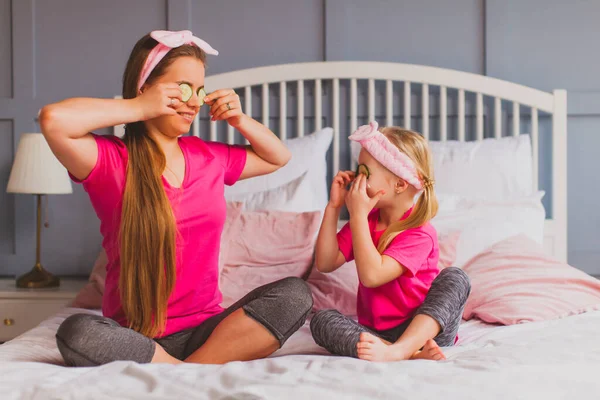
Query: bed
[466, 117]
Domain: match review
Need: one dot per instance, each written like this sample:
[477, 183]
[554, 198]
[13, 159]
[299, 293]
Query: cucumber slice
[186, 92]
[362, 169]
[201, 95]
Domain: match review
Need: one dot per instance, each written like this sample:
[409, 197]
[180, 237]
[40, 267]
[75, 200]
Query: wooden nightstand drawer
[18, 316]
[23, 309]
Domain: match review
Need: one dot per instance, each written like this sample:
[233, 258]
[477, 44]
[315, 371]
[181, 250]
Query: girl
[404, 303]
[160, 201]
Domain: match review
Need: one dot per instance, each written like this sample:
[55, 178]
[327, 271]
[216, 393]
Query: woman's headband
[168, 40]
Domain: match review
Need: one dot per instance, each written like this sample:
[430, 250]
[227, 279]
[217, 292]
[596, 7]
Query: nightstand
[24, 309]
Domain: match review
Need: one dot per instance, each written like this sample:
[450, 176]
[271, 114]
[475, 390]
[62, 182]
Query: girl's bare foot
[431, 351]
[372, 348]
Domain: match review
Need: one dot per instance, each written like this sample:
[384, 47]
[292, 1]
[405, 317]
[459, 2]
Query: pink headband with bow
[387, 154]
[168, 40]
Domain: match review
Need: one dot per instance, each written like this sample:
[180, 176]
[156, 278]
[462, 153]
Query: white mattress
[548, 360]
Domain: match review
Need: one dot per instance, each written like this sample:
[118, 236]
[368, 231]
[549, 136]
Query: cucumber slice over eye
[186, 92]
[201, 95]
[362, 169]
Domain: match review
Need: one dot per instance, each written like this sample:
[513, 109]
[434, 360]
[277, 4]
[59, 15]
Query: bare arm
[373, 268]
[266, 152]
[328, 256]
[66, 125]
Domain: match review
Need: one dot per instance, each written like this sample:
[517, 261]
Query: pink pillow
[237, 281]
[336, 290]
[513, 282]
[266, 246]
[234, 210]
[447, 244]
[268, 238]
[90, 296]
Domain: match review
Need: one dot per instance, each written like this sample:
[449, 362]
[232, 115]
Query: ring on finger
[228, 106]
[172, 102]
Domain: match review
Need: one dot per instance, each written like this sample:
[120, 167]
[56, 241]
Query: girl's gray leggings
[445, 303]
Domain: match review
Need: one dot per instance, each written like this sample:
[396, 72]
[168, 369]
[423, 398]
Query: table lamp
[37, 171]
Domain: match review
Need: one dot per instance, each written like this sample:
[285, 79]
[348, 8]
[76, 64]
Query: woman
[160, 201]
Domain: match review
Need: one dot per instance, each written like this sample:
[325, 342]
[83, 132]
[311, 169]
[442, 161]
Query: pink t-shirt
[389, 305]
[199, 208]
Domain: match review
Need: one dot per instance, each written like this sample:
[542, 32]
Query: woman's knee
[76, 326]
[73, 337]
[282, 306]
[297, 294]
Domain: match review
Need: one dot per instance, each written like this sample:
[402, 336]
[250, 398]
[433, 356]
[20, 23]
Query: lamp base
[38, 278]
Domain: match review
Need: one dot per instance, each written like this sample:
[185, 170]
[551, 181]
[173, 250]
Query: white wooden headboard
[442, 104]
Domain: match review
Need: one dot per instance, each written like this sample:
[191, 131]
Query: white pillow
[484, 223]
[492, 169]
[299, 186]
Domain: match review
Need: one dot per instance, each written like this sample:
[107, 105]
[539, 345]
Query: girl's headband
[387, 154]
[168, 40]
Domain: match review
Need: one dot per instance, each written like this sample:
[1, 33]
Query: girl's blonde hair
[416, 148]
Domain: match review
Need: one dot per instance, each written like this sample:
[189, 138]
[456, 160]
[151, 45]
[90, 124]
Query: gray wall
[54, 49]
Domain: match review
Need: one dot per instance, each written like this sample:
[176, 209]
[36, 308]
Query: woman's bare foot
[431, 351]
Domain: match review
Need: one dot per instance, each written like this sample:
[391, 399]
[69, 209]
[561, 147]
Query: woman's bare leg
[237, 338]
[161, 356]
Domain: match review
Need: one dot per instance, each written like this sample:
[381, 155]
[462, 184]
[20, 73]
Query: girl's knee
[320, 321]
[324, 316]
[457, 278]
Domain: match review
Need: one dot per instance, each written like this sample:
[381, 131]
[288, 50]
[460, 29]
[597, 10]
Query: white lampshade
[36, 170]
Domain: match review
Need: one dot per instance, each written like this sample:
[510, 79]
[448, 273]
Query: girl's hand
[358, 201]
[225, 105]
[338, 188]
[160, 99]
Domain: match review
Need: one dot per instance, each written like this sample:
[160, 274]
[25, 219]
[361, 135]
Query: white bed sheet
[557, 359]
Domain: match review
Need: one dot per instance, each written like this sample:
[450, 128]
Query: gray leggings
[444, 302]
[90, 340]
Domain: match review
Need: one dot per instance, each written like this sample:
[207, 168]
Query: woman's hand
[358, 201]
[225, 105]
[158, 100]
[338, 188]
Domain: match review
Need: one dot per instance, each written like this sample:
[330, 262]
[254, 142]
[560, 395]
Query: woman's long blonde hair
[147, 235]
[416, 148]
